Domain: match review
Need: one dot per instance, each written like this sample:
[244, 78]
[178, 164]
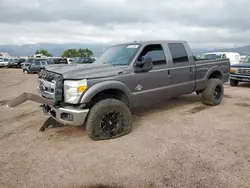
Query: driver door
[151, 86]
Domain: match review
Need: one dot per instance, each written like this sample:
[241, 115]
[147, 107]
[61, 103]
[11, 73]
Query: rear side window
[178, 52]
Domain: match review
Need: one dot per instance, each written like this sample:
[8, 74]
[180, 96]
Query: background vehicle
[15, 63]
[4, 62]
[62, 61]
[240, 72]
[27, 62]
[83, 60]
[232, 56]
[35, 67]
[87, 60]
[242, 57]
[126, 76]
[210, 56]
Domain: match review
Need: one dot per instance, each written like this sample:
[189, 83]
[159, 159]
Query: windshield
[118, 55]
[247, 59]
[211, 56]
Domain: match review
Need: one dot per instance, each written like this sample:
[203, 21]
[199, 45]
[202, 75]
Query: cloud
[200, 22]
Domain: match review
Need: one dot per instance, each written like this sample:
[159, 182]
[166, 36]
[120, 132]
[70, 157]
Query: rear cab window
[178, 53]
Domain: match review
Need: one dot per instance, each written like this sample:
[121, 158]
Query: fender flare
[99, 87]
[212, 70]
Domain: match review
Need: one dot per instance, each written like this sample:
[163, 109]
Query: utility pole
[102, 48]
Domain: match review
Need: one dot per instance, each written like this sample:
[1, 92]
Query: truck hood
[81, 71]
[242, 65]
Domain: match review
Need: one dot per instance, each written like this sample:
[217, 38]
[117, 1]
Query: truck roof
[154, 42]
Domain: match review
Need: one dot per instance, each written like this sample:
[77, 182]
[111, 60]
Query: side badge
[139, 87]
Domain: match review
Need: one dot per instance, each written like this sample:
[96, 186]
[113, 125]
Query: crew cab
[240, 72]
[125, 76]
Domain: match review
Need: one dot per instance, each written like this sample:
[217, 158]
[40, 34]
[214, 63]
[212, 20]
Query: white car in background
[232, 56]
[4, 62]
[242, 58]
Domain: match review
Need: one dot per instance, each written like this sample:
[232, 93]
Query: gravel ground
[177, 143]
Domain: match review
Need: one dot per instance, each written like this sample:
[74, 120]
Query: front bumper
[3, 65]
[68, 115]
[239, 77]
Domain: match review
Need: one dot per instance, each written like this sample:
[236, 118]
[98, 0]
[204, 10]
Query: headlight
[233, 70]
[73, 90]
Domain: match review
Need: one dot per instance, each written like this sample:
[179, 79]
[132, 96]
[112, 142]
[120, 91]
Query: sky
[202, 23]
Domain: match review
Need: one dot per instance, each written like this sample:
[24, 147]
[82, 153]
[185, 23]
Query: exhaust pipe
[29, 97]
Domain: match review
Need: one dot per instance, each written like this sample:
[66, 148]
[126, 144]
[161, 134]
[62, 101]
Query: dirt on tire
[97, 112]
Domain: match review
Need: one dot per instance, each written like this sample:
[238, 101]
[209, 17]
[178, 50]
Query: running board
[28, 97]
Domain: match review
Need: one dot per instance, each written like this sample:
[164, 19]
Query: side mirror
[144, 65]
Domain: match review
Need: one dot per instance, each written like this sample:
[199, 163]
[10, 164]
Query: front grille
[49, 76]
[245, 71]
[52, 84]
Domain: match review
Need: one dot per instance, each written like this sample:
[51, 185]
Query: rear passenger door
[181, 70]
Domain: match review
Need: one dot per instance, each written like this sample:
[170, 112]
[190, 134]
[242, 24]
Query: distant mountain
[244, 50]
[57, 49]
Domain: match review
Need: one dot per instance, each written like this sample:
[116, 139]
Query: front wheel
[234, 82]
[25, 72]
[214, 92]
[108, 119]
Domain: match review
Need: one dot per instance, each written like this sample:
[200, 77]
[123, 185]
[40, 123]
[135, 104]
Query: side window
[224, 56]
[37, 64]
[155, 51]
[178, 52]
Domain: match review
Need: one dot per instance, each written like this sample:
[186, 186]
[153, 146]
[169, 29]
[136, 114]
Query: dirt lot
[178, 143]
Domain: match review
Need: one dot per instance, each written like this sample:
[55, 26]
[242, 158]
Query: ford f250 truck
[240, 72]
[125, 76]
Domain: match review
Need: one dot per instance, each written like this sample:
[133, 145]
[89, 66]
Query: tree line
[69, 53]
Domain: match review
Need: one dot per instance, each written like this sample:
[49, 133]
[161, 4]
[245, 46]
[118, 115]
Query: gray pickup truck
[125, 76]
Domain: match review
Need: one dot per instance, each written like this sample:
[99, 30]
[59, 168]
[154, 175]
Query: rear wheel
[234, 82]
[214, 92]
[108, 119]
